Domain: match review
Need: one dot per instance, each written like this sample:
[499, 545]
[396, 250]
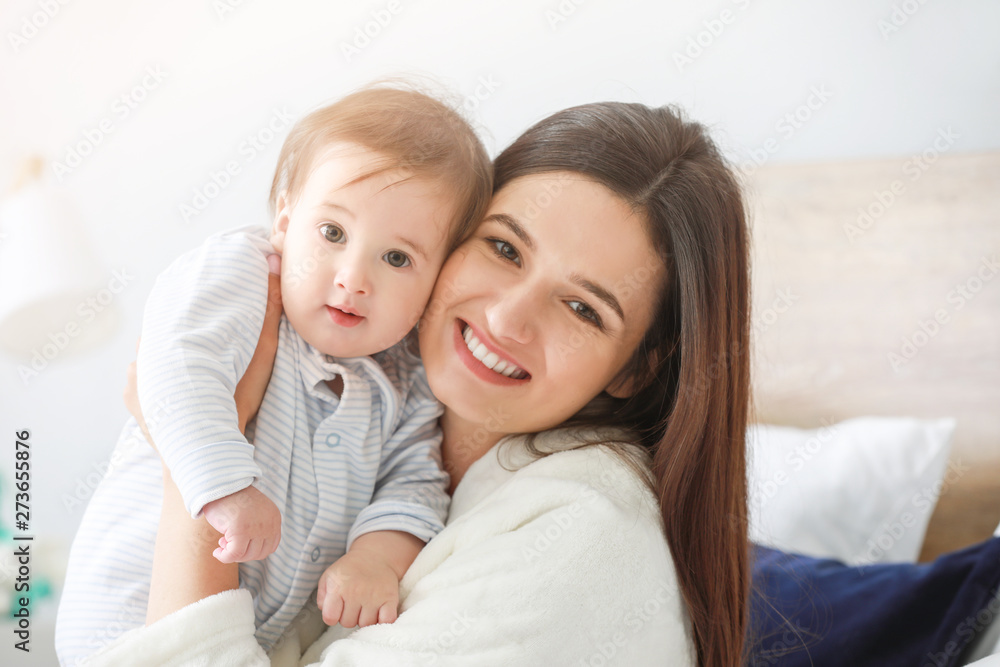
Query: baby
[370, 195]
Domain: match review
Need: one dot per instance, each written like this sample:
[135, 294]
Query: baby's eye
[332, 233]
[585, 312]
[396, 259]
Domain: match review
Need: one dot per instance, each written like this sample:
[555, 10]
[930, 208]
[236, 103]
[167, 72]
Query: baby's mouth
[344, 318]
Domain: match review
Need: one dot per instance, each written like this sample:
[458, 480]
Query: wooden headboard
[877, 292]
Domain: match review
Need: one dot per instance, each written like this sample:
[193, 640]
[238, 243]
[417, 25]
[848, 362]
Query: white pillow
[861, 490]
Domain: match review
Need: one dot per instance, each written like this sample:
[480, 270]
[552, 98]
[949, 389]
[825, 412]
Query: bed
[871, 252]
[876, 293]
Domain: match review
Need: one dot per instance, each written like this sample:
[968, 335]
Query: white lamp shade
[48, 273]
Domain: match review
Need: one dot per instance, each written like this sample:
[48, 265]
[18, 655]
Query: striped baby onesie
[336, 467]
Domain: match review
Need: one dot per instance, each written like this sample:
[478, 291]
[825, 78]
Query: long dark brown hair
[691, 372]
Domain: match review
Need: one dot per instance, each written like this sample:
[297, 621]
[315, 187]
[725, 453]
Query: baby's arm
[183, 571]
[362, 586]
[199, 332]
[408, 508]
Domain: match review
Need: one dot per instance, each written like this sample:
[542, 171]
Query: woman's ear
[627, 384]
[282, 214]
[622, 387]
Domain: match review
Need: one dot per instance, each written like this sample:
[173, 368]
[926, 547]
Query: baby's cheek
[413, 308]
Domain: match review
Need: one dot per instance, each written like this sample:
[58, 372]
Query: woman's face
[537, 313]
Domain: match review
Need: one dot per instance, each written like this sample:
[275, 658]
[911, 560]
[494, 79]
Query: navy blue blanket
[817, 612]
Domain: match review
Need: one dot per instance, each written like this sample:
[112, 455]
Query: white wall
[886, 91]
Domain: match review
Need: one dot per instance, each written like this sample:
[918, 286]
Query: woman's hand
[250, 390]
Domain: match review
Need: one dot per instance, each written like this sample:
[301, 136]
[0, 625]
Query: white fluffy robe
[556, 561]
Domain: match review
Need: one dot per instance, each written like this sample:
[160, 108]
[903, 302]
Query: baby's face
[359, 257]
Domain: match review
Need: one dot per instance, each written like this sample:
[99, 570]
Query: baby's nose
[354, 278]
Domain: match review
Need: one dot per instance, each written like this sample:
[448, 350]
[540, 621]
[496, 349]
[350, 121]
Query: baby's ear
[282, 215]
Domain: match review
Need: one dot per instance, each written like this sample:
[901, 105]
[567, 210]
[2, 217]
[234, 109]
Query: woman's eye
[585, 312]
[396, 259]
[332, 233]
[505, 250]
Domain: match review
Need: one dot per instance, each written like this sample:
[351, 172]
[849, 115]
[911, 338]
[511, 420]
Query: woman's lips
[476, 366]
[343, 319]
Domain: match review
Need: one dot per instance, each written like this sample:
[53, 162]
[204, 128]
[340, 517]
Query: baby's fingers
[387, 613]
[369, 615]
[349, 616]
[231, 551]
[333, 609]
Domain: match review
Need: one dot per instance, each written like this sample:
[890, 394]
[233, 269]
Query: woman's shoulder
[602, 460]
[576, 534]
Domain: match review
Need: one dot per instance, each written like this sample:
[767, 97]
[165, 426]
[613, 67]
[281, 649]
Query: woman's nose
[514, 314]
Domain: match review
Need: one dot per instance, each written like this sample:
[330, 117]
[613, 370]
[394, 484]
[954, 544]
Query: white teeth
[490, 359]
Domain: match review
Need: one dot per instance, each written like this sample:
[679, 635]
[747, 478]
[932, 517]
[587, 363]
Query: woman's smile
[484, 359]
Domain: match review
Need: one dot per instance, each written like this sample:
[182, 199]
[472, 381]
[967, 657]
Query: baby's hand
[358, 590]
[250, 525]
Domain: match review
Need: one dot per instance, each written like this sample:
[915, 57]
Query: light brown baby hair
[416, 132]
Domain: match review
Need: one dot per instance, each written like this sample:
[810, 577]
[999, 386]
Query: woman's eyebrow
[601, 293]
[514, 226]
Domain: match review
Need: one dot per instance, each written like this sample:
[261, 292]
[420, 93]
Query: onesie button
[332, 440]
[315, 554]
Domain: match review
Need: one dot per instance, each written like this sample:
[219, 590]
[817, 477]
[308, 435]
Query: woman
[612, 268]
